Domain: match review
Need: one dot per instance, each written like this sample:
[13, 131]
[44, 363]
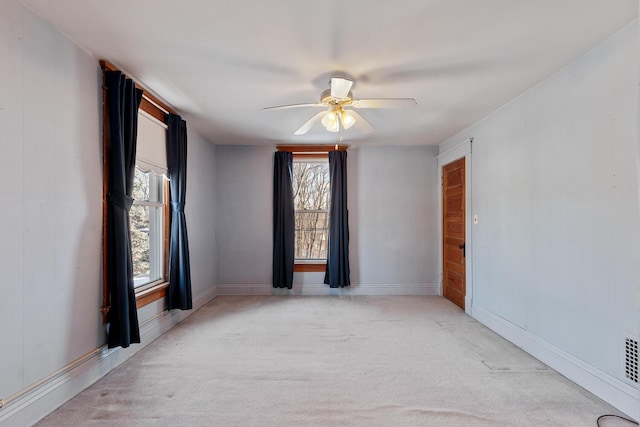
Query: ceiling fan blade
[340, 87]
[361, 124]
[309, 124]
[284, 107]
[384, 103]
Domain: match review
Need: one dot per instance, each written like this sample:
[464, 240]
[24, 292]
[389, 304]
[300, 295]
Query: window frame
[153, 291]
[310, 264]
[310, 152]
[158, 222]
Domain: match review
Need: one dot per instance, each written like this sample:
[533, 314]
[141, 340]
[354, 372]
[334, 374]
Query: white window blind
[151, 151]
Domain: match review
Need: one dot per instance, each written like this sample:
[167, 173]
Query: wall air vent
[631, 365]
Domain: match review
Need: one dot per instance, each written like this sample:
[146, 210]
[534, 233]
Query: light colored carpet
[332, 361]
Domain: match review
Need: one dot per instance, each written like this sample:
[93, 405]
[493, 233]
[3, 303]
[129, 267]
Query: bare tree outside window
[311, 193]
[139, 220]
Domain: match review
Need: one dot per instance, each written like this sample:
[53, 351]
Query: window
[148, 216]
[147, 227]
[311, 191]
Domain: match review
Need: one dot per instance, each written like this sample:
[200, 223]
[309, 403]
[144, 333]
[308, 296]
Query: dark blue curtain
[123, 101]
[179, 291]
[337, 273]
[283, 221]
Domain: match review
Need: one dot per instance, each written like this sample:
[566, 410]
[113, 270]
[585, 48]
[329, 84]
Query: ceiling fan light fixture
[331, 121]
[335, 128]
[347, 119]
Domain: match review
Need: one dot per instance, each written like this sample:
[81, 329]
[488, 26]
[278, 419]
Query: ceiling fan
[337, 113]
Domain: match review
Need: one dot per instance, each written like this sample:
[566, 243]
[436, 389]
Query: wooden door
[453, 233]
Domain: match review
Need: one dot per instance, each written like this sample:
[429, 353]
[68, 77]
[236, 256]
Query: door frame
[458, 151]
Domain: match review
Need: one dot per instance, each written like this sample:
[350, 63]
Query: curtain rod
[107, 66]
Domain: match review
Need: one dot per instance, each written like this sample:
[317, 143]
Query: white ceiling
[219, 62]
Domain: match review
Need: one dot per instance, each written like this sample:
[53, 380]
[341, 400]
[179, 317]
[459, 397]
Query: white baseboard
[46, 397]
[617, 393]
[320, 289]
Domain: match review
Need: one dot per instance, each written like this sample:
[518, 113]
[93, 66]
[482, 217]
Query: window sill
[310, 266]
[152, 293]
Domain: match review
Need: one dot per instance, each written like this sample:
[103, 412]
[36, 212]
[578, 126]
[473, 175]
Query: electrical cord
[614, 416]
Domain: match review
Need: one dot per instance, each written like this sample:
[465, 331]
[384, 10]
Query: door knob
[463, 246]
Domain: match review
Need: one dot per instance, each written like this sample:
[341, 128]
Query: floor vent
[631, 369]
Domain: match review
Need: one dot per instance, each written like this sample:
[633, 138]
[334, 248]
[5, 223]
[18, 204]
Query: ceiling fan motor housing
[327, 99]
